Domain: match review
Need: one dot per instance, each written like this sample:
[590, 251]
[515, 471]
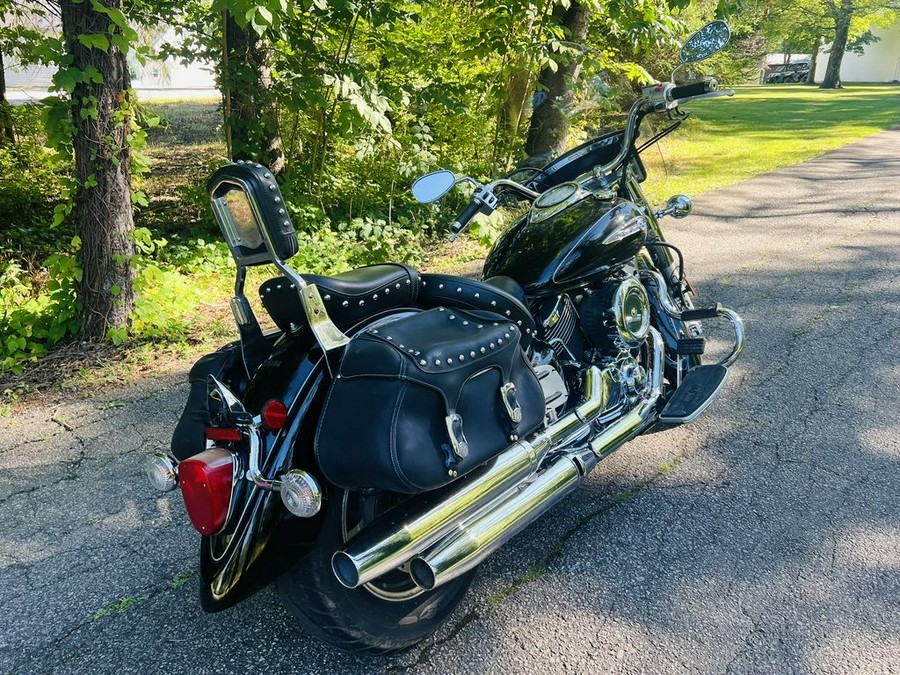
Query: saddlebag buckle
[511, 402]
[457, 438]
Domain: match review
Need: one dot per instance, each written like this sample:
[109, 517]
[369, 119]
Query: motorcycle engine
[616, 316]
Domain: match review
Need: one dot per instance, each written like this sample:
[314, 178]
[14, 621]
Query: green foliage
[368, 95]
[33, 318]
[33, 178]
[120, 606]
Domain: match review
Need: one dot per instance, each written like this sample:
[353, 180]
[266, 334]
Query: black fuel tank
[587, 239]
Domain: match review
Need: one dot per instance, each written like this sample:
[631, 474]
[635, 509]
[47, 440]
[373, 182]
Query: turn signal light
[161, 472]
[207, 480]
[274, 415]
[301, 494]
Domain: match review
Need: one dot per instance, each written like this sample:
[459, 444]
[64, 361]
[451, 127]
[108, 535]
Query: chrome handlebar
[654, 98]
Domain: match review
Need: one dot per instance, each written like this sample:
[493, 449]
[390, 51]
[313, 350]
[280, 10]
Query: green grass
[761, 129]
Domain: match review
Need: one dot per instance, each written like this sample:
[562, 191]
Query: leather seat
[349, 298]
[361, 294]
[498, 295]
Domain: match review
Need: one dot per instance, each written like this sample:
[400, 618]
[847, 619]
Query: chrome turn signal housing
[162, 472]
[300, 494]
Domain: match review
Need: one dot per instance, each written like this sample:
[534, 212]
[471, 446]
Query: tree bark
[549, 127]
[7, 131]
[510, 116]
[842, 17]
[102, 211]
[251, 115]
[813, 62]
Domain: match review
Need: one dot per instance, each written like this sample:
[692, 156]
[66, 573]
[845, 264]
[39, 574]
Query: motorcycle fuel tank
[562, 244]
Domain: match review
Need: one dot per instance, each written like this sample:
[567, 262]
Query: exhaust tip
[422, 574]
[345, 570]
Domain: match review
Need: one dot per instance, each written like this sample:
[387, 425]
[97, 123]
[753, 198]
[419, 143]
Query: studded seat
[497, 295]
[350, 297]
[353, 297]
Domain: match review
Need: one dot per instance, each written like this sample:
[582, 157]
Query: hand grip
[693, 89]
[463, 218]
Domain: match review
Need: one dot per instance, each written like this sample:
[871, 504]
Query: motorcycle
[399, 427]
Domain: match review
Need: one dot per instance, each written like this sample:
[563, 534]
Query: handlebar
[661, 97]
[465, 217]
[693, 89]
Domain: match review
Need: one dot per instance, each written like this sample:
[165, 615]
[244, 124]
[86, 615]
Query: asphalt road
[764, 538]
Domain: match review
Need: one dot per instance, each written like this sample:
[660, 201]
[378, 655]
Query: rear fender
[264, 539]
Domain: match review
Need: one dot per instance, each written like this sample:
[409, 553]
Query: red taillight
[274, 415]
[222, 434]
[206, 482]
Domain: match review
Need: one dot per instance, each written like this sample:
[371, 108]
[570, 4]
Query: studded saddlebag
[427, 398]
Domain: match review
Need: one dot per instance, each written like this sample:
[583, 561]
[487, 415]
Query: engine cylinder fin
[563, 322]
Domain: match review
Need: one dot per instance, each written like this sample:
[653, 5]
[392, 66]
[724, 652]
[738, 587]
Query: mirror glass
[241, 228]
[433, 186]
[705, 42]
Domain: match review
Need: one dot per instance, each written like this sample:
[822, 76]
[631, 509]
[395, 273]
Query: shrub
[34, 318]
[32, 180]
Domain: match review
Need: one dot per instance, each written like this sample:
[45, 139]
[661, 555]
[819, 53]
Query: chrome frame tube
[409, 528]
[481, 534]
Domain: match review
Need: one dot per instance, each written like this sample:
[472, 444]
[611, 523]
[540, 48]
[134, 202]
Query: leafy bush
[32, 180]
[33, 318]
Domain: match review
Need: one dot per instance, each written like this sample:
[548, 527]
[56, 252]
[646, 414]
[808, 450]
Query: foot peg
[696, 392]
[688, 346]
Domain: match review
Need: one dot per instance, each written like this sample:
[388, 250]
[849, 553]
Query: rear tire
[388, 615]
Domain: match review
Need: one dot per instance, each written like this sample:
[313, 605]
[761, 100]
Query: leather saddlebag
[424, 399]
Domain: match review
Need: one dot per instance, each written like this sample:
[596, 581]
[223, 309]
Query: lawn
[763, 128]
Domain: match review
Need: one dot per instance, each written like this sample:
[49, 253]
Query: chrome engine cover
[617, 314]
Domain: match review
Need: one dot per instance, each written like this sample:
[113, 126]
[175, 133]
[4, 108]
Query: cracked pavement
[763, 538]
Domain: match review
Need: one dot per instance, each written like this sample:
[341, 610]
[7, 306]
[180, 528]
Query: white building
[879, 63]
[155, 79]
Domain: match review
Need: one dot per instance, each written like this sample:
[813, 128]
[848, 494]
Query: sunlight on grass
[761, 129]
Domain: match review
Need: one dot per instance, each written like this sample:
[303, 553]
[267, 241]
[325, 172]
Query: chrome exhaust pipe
[479, 535]
[414, 525]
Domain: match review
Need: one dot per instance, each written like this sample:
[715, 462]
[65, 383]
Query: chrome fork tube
[479, 535]
[410, 527]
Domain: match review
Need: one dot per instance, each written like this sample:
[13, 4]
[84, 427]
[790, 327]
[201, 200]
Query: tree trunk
[832, 79]
[549, 121]
[813, 62]
[7, 132]
[102, 211]
[251, 116]
[510, 116]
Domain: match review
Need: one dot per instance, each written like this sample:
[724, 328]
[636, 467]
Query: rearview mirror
[707, 41]
[432, 186]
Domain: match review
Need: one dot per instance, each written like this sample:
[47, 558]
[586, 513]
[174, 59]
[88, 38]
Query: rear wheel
[389, 614]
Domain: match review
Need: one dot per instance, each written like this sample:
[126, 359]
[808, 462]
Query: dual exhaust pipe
[444, 534]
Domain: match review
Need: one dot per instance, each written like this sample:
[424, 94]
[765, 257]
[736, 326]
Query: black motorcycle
[399, 427]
